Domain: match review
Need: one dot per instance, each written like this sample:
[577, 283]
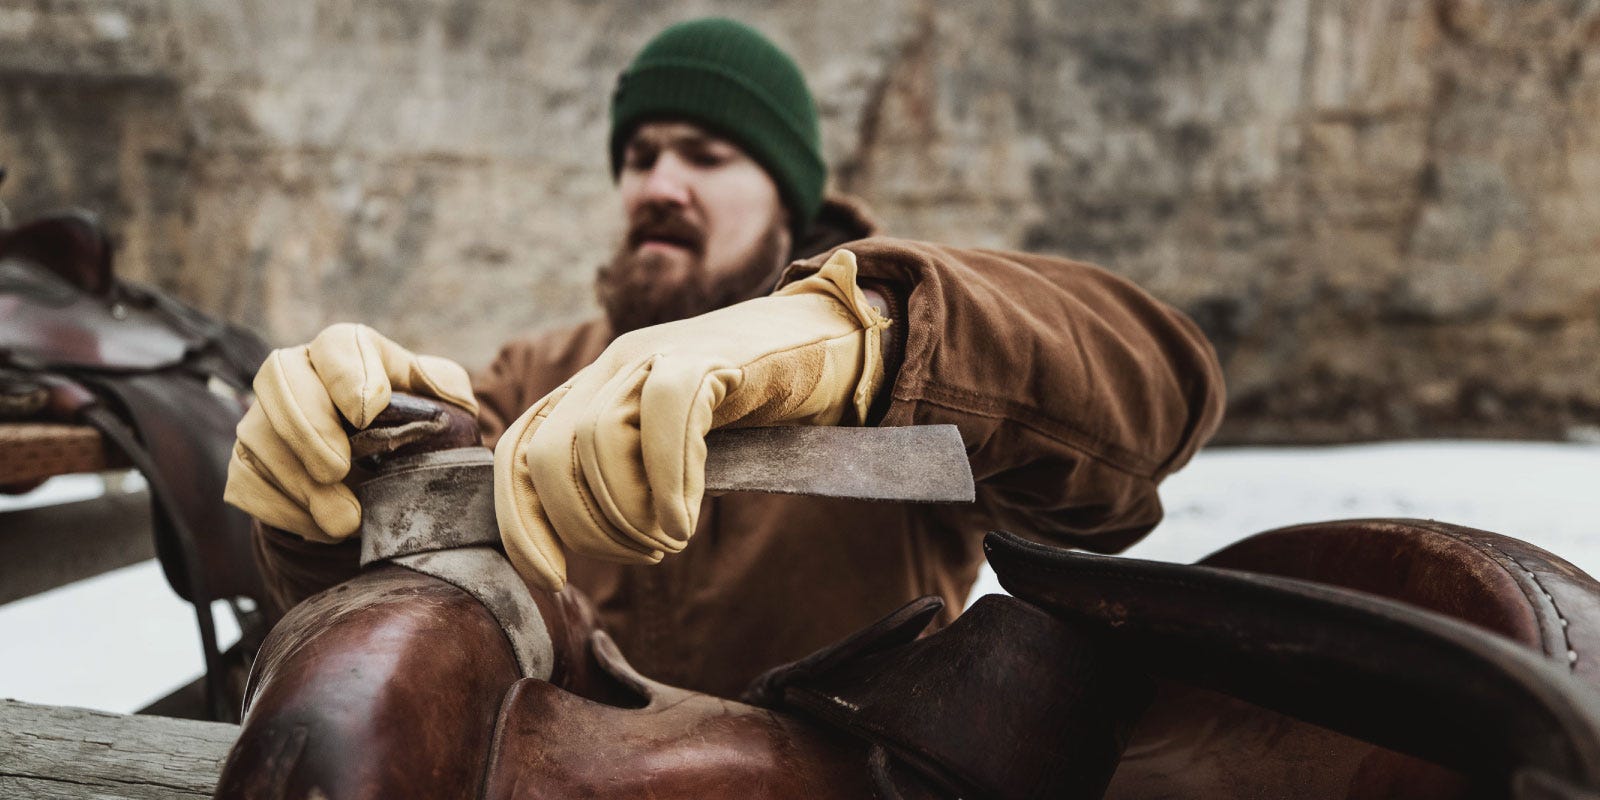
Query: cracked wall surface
[1385, 214]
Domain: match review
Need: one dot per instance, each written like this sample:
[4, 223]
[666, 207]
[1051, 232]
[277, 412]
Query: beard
[638, 290]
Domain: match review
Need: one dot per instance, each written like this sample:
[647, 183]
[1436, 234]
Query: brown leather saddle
[163, 383]
[1376, 658]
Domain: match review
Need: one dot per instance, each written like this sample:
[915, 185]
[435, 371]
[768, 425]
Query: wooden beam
[60, 753]
[49, 546]
[33, 451]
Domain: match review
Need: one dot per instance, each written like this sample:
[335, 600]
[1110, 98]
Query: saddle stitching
[1566, 628]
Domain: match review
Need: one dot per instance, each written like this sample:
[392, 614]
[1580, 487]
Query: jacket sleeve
[502, 390]
[1076, 392]
[529, 368]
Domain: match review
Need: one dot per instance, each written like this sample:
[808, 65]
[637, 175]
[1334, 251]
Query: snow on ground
[121, 640]
[1546, 493]
[115, 642]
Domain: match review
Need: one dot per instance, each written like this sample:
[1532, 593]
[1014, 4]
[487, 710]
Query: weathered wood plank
[33, 451]
[49, 546]
[60, 753]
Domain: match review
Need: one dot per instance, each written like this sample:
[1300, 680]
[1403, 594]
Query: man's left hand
[612, 463]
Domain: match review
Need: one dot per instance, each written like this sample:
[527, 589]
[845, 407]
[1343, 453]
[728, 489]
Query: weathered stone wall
[1385, 213]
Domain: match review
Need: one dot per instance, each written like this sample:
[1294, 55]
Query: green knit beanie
[728, 78]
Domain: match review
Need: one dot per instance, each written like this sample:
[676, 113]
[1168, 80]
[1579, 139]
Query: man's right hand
[292, 455]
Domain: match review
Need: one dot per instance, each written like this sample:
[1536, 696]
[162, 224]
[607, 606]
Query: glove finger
[361, 367]
[525, 530]
[677, 405]
[444, 379]
[606, 448]
[350, 360]
[251, 492]
[292, 396]
[553, 466]
[333, 506]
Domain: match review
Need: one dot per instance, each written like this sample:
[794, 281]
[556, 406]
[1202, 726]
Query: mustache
[664, 223]
[638, 290]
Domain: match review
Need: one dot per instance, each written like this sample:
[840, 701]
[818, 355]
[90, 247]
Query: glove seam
[625, 527]
[594, 514]
[362, 349]
[280, 376]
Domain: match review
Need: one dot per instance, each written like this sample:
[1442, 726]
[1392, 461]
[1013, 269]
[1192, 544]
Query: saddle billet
[164, 384]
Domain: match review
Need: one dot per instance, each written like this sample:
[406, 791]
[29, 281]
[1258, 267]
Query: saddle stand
[165, 385]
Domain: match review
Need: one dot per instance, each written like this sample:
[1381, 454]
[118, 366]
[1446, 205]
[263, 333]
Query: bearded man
[1075, 393]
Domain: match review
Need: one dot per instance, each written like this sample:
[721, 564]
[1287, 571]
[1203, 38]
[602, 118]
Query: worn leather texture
[1265, 685]
[1197, 742]
[1386, 672]
[1502, 584]
[384, 687]
[666, 743]
[1007, 702]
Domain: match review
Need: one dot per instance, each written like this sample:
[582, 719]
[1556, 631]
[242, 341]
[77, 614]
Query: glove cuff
[837, 279]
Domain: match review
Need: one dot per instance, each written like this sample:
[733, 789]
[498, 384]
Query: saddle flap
[551, 742]
[899, 628]
[1006, 702]
[387, 685]
[1379, 670]
[82, 331]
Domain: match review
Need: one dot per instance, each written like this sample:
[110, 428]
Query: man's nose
[667, 181]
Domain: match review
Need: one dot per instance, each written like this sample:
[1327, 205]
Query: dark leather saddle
[163, 383]
[1370, 658]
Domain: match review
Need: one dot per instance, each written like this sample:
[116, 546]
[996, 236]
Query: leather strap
[1379, 670]
[195, 579]
[434, 513]
[486, 575]
[432, 501]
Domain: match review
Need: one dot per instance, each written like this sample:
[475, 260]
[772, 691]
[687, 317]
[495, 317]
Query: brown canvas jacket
[1075, 392]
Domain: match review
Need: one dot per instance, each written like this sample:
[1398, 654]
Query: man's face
[706, 228]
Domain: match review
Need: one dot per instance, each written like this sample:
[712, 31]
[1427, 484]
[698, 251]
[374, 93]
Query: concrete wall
[1385, 213]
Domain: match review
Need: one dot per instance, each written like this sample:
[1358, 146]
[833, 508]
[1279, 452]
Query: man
[1075, 392]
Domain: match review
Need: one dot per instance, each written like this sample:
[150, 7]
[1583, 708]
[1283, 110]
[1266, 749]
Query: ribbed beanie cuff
[729, 79]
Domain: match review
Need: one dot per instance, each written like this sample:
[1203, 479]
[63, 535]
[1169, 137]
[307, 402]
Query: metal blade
[917, 463]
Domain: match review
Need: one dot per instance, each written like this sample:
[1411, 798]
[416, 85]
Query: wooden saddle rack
[164, 385]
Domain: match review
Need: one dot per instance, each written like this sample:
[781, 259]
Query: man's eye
[707, 158]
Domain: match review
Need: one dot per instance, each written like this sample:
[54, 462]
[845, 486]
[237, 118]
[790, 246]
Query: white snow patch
[114, 642]
[1544, 493]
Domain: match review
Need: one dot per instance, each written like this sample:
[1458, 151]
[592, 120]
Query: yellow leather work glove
[292, 455]
[612, 463]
